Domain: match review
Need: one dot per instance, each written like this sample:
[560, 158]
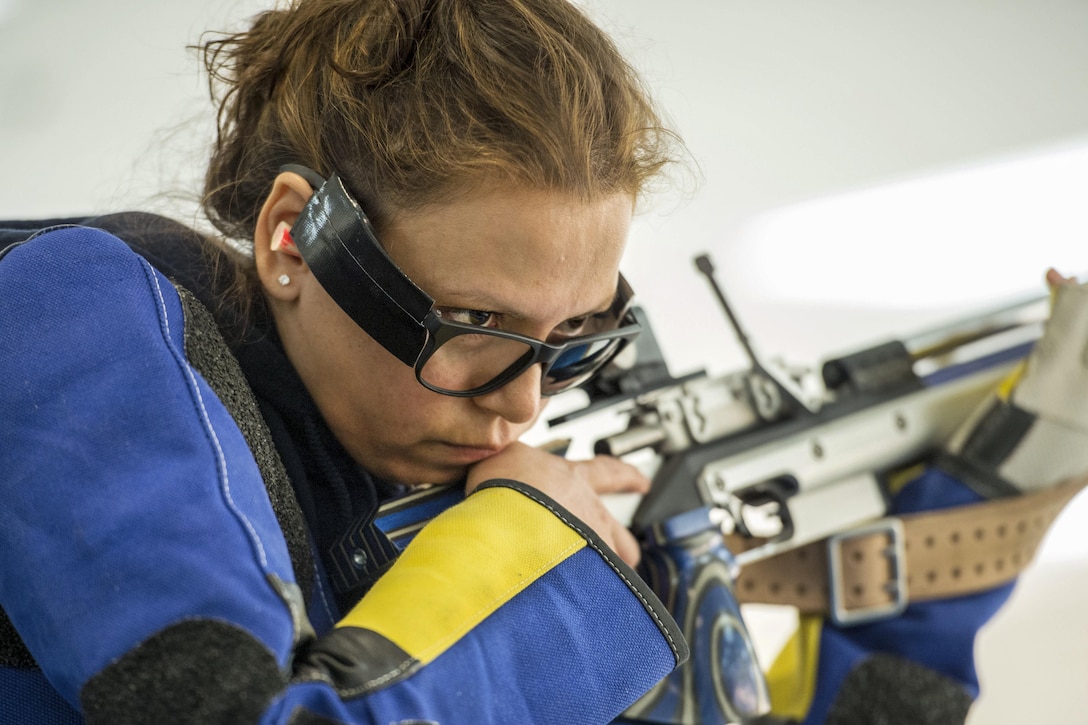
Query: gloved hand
[1033, 431]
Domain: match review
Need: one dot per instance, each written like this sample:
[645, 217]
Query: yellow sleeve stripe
[461, 567]
[792, 678]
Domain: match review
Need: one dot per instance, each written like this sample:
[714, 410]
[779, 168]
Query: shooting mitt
[1032, 432]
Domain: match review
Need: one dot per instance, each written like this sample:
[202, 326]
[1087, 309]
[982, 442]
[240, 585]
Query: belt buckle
[896, 584]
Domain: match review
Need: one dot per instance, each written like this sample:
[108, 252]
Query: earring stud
[284, 280]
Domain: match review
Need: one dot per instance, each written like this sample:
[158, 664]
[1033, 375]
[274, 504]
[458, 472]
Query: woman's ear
[279, 264]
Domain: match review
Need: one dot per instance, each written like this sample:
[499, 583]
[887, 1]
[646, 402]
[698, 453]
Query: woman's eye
[574, 327]
[587, 324]
[477, 318]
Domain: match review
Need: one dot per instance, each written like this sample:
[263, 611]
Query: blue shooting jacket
[169, 536]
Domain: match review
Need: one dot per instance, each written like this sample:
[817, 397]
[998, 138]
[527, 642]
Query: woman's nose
[518, 401]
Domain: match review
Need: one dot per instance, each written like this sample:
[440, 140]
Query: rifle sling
[949, 553]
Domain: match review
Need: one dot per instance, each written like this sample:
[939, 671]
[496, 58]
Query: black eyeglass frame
[338, 243]
[539, 351]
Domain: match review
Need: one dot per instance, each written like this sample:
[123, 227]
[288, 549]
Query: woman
[412, 197]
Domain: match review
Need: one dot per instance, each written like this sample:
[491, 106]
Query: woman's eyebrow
[484, 302]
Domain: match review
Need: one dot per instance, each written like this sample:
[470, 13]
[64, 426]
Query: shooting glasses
[338, 243]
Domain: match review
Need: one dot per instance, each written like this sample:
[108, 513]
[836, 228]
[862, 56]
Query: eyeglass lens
[467, 362]
[471, 361]
[577, 362]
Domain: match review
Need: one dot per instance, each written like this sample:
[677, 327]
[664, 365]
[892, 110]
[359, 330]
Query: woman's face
[536, 260]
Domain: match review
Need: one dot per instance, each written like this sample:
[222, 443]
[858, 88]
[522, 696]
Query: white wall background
[868, 169]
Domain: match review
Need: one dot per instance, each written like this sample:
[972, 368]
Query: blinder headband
[338, 243]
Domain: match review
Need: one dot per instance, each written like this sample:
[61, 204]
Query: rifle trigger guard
[896, 554]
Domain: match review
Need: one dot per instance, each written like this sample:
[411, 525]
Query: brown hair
[415, 101]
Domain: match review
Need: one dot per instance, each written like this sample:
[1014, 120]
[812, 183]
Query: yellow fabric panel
[898, 479]
[792, 678]
[460, 568]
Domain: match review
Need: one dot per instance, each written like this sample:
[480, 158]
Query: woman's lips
[466, 455]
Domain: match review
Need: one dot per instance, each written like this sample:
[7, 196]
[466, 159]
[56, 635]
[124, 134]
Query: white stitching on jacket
[220, 456]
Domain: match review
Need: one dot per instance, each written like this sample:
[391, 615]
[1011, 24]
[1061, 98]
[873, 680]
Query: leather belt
[873, 572]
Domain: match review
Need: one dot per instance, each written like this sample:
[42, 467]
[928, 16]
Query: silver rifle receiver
[797, 455]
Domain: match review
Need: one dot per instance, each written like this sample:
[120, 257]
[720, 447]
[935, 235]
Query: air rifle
[780, 458]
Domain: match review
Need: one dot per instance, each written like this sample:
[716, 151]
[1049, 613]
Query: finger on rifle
[611, 475]
[1055, 278]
